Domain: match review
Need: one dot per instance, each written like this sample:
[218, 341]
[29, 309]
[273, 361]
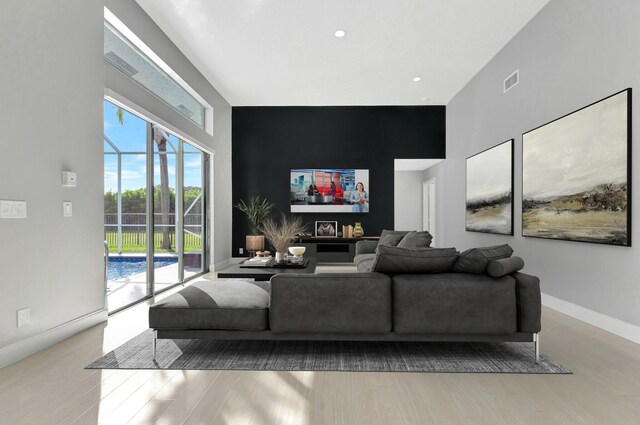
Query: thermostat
[69, 179]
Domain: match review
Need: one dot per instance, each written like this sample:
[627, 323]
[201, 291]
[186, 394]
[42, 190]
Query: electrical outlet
[24, 317]
[241, 250]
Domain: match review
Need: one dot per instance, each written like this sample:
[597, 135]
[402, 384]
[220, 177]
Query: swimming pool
[120, 267]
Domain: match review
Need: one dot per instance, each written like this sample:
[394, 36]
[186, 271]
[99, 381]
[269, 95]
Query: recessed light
[340, 33]
[416, 79]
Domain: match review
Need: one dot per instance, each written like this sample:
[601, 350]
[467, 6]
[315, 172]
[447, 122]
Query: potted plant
[257, 210]
[281, 233]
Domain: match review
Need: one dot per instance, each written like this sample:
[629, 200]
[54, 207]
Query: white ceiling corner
[419, 164]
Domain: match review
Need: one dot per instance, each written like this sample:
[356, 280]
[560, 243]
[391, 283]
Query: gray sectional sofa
[365, 306]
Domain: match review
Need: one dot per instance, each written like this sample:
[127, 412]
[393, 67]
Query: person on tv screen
[360, 199]
[313, 189]
[332, 189]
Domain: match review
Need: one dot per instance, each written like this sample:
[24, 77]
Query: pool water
[123, 267]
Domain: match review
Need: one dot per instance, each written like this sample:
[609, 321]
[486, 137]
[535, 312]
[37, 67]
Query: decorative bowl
[297, 250]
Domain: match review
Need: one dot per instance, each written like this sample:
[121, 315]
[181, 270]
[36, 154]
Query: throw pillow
[475, 260]
[395, 260]
[504, 266]
[415, 239]
[389, 239]
[393, 232]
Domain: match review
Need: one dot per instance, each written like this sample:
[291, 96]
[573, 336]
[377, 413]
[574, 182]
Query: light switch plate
[67, 209]
[13, 209]
[23, 317]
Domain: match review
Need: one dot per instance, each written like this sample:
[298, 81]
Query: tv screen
[316, 190]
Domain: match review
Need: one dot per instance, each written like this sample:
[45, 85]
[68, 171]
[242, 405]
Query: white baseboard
[226, 263]
[26, 347]
[611, 324]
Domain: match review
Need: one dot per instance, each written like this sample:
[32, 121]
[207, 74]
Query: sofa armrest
[330, 303]
[529, 302]
[366, 247]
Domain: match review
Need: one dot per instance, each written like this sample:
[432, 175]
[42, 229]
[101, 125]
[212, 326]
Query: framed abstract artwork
[576, 175]
[489, 190]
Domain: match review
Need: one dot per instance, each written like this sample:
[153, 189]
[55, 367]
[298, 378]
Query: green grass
[136, 242]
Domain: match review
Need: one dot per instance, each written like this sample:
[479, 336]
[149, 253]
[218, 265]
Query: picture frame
[326, 229]
[576, 175]
[489, 190]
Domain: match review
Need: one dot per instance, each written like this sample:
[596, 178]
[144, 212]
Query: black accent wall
[269, 141]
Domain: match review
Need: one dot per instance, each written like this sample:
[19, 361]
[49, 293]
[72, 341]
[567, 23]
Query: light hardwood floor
[52, 387]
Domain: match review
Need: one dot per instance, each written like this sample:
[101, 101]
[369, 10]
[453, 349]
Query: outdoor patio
[126, 290]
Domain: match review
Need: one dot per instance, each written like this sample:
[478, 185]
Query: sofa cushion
[330, 303]
[475, 260]
[415, 239]
[504, 266]
[366, 247]
[394, 260]
[389, 239]
[213, 304]
[454, 303]
[364, 262]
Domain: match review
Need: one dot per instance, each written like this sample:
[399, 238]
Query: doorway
[155, 204]
[429, 207]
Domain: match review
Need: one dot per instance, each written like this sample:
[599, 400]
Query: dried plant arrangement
[281, 233]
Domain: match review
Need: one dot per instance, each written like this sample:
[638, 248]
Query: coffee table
[264, 273]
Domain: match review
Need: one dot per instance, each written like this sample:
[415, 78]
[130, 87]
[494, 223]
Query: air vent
[120, 63]
[511, 81]
[186, 111]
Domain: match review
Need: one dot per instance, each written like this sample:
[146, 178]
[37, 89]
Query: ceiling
[284, 52]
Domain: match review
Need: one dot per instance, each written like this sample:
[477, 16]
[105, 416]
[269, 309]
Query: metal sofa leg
[155, 343]
[536, 346]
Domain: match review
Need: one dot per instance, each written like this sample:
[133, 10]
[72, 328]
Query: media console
[331, 250]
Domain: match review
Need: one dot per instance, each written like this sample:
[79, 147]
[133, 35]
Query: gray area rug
[450, 357]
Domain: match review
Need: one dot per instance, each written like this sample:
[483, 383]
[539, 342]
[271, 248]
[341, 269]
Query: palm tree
[120, 115]
[160, 137]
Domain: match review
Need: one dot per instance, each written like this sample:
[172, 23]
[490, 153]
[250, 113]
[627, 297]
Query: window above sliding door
[128, 59]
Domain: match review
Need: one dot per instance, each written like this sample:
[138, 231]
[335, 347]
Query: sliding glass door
[194, 170]
[167, 251]
[155, 207]
[125, 206]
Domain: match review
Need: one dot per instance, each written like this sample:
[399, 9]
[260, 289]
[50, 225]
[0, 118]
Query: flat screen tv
[339, 190]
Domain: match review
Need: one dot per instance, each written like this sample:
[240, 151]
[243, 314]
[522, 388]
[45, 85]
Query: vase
[281, 257]
[358, 231]
[254, 243]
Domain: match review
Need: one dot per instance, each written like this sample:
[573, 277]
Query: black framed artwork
[326, 229]
[489, 190]
[576, 175]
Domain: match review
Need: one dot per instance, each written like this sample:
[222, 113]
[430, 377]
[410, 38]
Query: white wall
[574, 52]
[51, 90]
[134, 17]
[407, 206]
